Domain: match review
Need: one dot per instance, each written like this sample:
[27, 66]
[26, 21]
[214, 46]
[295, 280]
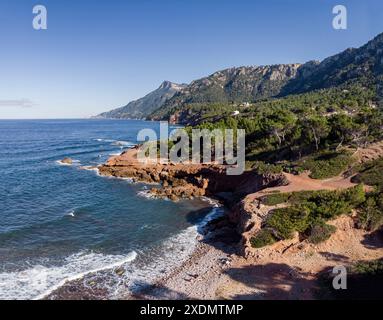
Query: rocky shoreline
[186, 181]
[224, 265]
[288, 269]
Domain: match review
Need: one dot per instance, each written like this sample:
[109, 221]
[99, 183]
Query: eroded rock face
[176, 181]
[189, 180]
[249, 216]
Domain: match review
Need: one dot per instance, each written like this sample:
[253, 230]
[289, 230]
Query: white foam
[123, 143]
[146, 194]
[212, 202]
[74, 162]
[40, 280]
[70, 214]
[91, 168]
[173, 252]
[104, 140]
[63, 163]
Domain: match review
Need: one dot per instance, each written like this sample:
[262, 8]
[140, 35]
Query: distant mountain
[250, 84]
[140, 108]
[363, 65]
[241, 84]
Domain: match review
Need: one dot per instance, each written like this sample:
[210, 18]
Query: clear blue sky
[97, 55]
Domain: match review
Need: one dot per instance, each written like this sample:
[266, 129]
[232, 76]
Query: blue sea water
[61, 223]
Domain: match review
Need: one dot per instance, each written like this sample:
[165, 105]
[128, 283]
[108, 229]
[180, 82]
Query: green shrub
[285, 221]
[295, 197]
[370, 215]
[320, 232]
[327, 165]
[354, 196]
[330, 204]
[371, 174]
[374, 267]
[309, 210]
[276, 198]
[266, 168]
[263, 238]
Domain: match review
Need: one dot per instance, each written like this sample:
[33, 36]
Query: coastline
[196, 278]
[222, 265]
[193, 241]
[290, 270]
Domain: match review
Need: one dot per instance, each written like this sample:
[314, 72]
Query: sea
[66, 223]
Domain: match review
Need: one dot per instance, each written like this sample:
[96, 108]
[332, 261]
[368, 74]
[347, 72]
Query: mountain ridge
[254, 83]
[138, 109]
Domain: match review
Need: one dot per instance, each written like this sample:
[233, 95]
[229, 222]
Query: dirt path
[304, 183]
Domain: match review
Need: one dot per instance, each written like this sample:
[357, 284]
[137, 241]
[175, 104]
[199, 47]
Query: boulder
[67, 160]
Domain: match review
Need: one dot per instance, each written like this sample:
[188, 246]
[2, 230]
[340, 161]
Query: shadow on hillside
[156, 291]
[273, 281]
[281, 282]
[278, 281]
[373, 240]
[335, 257]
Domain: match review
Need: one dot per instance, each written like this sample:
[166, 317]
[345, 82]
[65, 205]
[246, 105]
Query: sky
[99, 55]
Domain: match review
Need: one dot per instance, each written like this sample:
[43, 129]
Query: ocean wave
[157, 262]
[104, 140]
[123, 143]
[214, 214]
[40, 280]
[90, 168]
[140, 268]
[120, 143]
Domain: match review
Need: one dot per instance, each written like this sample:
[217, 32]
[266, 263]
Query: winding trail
[303, 182]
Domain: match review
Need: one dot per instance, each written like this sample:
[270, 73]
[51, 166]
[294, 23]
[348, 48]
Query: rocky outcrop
[249, 216]
[67, 160]
[176, 181]
[189, 180]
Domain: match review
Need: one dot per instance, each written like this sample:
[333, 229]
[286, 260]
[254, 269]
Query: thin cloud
[21, 103]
